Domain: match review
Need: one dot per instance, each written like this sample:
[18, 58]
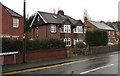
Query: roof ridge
[47, 13]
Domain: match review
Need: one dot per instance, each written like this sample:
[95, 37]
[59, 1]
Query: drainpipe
[46, 31]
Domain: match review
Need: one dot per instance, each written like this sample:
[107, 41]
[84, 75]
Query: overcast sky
[106, 10]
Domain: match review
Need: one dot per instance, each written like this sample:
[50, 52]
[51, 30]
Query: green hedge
[32, 45]
[96, 37]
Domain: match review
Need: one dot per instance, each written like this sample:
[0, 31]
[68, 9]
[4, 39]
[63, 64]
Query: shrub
[79, 48]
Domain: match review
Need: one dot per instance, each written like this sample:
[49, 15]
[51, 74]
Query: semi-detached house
[60, 26]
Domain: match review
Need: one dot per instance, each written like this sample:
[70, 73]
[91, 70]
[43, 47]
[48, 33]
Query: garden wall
[102, 49]
[34, 56]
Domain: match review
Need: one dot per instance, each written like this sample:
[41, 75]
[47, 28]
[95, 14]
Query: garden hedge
[96, 37]
[32, 45]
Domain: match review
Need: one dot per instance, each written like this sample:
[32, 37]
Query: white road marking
[97, 69]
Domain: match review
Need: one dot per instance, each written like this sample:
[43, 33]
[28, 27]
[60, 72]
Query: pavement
[16, 67]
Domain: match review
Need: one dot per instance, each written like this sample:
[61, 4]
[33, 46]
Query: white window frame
[15, 37]
[78, 29]
[76, 40]
[53, 28]
[15, 22]
[66, 29]
[67, 41]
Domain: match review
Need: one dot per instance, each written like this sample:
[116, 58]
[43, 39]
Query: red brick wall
[9, 59]
[53, 35]
[7, 24]
[45, 55]
[36, 56]
[102, 49]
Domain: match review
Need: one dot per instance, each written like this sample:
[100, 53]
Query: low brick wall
[101, 49]
[35, 56]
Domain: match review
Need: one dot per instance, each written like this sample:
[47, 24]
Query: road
[99, 64]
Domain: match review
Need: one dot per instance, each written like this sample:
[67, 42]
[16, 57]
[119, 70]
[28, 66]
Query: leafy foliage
[33, 45]
[28, 22]
[79, 48]
[96, 37]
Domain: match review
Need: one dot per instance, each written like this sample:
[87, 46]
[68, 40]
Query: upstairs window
[15, 22]
[78, 29]
[53, 28]
[66, 29]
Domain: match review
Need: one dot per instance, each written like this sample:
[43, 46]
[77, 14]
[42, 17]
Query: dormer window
[15, 22]
[38, 18]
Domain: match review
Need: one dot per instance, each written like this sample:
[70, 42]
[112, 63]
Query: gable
[37, 21]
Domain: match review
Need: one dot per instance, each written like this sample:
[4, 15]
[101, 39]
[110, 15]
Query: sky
[105, 10]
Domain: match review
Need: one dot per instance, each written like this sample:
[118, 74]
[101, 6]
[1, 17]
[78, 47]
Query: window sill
[53, 32]
[16, 27]
[65, 32]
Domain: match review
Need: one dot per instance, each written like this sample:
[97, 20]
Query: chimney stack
[61, 12]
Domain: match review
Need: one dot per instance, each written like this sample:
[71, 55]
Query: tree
[28, 22]
[86, 15]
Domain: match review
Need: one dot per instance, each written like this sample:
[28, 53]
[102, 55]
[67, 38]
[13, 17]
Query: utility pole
[119, 25]
[24, 34]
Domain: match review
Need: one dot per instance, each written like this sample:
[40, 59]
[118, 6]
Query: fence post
[14, 58]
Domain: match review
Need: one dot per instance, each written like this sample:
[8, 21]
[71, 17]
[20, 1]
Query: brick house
[60, 26]
[102, 25]
[11, 23]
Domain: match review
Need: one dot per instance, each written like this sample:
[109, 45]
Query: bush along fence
[35, 50]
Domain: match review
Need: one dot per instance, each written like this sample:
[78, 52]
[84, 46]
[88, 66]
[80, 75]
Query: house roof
[100, 25]
[56, 18]
[12, 13]
[114, 27]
